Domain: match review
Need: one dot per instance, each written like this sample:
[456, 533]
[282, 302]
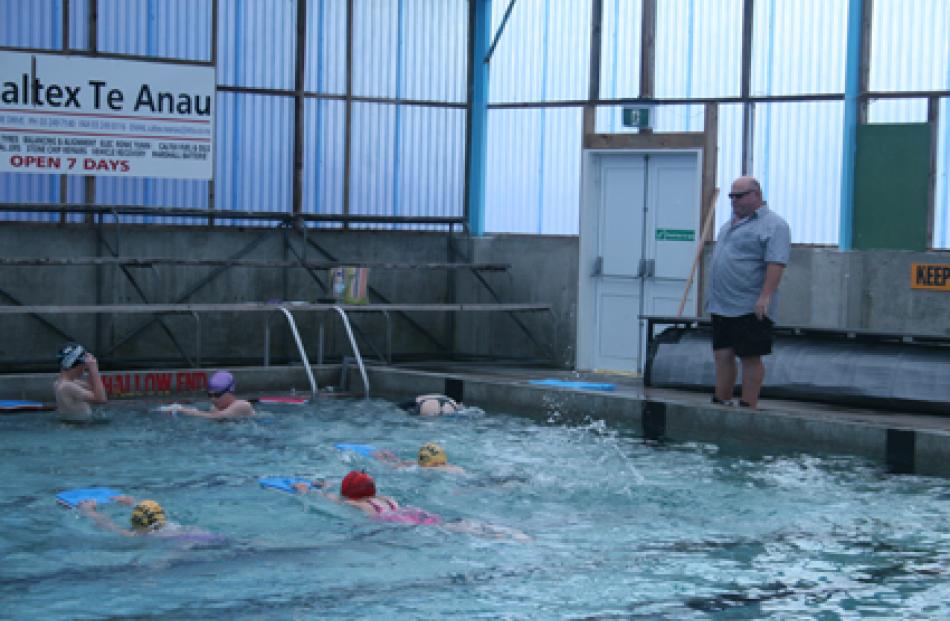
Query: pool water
[620, 528]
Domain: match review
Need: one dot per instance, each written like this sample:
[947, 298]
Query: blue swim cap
[71, 355]
[221, 382]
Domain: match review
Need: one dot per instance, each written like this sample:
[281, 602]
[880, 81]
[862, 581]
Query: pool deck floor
[907, 442]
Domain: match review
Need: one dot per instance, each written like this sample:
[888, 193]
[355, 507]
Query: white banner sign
[77, 115]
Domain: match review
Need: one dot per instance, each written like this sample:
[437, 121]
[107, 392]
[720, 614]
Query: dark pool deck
[907, 442]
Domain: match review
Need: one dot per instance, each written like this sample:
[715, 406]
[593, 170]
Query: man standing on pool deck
[223, 402]
[747, 264]
[73, 394]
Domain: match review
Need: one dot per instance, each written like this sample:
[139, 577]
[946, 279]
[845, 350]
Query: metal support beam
[933, 118]
[647, 53]
[593, 78]
[348, 113]
[477, 115]
[299, 84]
[501, 29]
[852, 96]
[864, 81]
[745, 87]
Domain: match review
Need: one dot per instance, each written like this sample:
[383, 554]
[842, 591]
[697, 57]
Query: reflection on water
[620, 528]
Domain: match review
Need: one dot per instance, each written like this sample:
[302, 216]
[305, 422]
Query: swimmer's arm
[95, 381]
[190, 411]
[238, 409]
[392, 459]
[88, 508]
[78, 392]
[319, 485]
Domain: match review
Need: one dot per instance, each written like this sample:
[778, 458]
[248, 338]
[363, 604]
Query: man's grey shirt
[740, 256]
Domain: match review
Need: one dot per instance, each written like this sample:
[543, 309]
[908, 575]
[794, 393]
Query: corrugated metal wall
[409, 159]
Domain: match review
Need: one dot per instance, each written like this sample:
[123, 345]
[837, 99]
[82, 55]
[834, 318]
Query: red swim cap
[357, 485]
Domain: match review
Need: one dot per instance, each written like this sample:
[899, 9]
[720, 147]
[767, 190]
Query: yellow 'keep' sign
[934, 276]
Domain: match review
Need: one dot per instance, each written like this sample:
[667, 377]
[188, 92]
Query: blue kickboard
[17, 405]
[284, 484]
[366, 450]
[573, 384]
[72, 497]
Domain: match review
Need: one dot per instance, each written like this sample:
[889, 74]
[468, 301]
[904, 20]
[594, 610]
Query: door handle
[641, 268]
[598, 267]
[651, 268]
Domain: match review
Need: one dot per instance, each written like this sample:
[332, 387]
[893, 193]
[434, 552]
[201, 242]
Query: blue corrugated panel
[532, 184]
[371, 178]
[163, 28]
[909, 45]
[542, 52]
[323, 157]
[430, 163]
[620, 58]
[797, 158]
[798, 47]
[255, 133]
[698, 48]
[33, 23]
[256, 43]
[434, 36]
[326, 46]
[375, 33]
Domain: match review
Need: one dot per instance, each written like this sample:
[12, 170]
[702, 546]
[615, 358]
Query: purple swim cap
[221, 382]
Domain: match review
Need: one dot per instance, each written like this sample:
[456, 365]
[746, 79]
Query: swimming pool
[621, 528]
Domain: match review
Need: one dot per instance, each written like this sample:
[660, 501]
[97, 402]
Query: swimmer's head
[220, 383]
[148, 515]
[434, 406]
[71, 355]
[431, 454]
[357, 484]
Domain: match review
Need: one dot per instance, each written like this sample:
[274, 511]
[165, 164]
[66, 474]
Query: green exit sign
[675, 235]
[639, 117]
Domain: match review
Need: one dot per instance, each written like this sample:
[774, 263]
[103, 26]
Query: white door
[639, 226]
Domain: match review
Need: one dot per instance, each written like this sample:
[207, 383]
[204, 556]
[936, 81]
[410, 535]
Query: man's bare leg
[725, 360]
[753, 373]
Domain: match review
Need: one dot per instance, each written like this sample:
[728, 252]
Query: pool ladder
[303, 352]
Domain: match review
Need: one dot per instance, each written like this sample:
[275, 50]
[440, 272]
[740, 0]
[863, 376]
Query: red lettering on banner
[190, 381]
[35, 161]
[110, 165]
[163, 382]
[107, 384]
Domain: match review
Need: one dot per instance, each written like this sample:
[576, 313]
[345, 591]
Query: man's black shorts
[747, 334]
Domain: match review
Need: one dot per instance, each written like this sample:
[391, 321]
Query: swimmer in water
[358, 489]
[431, 405]
[147, 518]
[431, 455]
[224, 405]
[75, 395]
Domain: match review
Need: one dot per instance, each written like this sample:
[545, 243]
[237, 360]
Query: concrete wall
[822, 288]
[544, 270]
[869, 290]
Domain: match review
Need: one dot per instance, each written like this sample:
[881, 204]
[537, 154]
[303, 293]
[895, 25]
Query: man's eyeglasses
[215, 395]
[735, 195]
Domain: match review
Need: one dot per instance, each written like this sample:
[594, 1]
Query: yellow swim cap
[431, 454]
[148, 515]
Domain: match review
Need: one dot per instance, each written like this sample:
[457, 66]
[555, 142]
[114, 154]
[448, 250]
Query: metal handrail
[300, 349]
[356, 350]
